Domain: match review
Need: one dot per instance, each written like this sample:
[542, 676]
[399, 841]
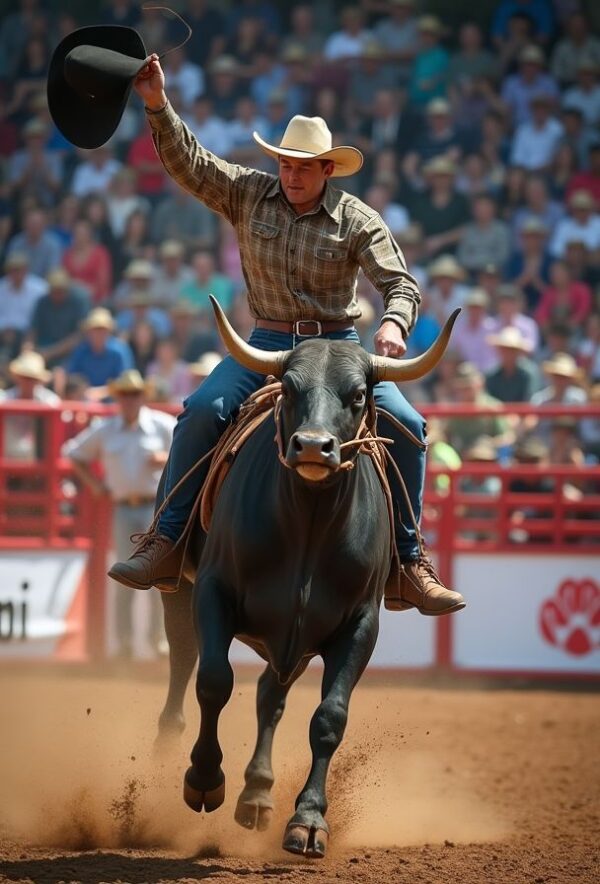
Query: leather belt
[135, 501]
[305, 328]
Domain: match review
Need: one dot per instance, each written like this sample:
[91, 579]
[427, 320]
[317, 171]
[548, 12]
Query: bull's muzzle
[313, 455]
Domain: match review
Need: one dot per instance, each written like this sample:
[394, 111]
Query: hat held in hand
[89, 80]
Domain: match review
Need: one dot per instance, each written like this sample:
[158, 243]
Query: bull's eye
[359, 398]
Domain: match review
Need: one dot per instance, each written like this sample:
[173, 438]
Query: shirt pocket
[263, 230]
[331, 253]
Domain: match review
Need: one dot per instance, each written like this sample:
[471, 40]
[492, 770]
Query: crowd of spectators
[482, 154]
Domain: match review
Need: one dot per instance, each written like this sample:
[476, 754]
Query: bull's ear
[262, 361]
[387, 369]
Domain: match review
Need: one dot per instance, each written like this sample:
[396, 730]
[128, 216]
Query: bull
[294, 565]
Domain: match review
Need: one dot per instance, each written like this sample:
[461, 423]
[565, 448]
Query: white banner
[38, 596]
[537, 613]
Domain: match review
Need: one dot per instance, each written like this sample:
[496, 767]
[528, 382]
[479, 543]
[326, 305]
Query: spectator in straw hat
[582, 223]
[203, 366]
[536, 140]
[31, 377]
[446, 290]
[171, 274]
[140, 306]
[529, 267]
[138, 277]
[470, 336]
[55, 327]
[468, 386]
[563, 387]
[516, 378]
[441, 211]
[132, 448]
[428, 72]
[529, 81]
[564, 377]
[509, 314]
[24, 434]
[486, 239]
[101, 356]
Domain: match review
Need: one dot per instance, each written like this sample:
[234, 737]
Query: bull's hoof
[208, 800]
[253, 815]
[306, 840]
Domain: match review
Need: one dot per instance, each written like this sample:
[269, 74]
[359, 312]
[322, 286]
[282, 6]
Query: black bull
[294, 565]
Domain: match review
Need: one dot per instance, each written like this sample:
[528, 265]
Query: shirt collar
[330, 201]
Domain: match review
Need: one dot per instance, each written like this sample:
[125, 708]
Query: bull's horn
[262, 361]
[387, 369]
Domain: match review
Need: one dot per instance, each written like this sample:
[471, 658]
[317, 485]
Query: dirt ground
[431, 785]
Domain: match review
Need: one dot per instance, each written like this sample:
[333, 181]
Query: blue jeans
[208, 412]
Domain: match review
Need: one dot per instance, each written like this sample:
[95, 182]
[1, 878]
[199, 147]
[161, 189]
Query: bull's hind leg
[183, 653]
[204, 782]
[345, 660]
[255, 805]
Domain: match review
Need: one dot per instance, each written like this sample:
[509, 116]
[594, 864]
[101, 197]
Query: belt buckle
[311, 334]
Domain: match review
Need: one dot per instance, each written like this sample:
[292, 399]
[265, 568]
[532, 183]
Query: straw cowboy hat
[98, 318]
[129, 381]
[30, 365]
[562, 364]
[309, 138]
[510, 338]
[206, 363]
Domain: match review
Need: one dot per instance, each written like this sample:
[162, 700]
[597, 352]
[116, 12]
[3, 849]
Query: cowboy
[132, 447]
[302, 243]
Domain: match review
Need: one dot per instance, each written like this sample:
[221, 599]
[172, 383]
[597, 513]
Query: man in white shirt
[94, 174]
[19, 293]
[535, 141]
[23, 434]
[582, 224]
[132, 447]
[349, 42]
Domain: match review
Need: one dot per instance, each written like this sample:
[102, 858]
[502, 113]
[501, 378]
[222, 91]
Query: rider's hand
[389, 340]
[150, 84]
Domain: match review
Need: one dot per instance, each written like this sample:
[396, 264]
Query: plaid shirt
[295, 266]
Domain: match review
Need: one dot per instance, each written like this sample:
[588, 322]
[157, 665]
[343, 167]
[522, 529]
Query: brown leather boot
[156, 561]
[421, 588]
[392, 598]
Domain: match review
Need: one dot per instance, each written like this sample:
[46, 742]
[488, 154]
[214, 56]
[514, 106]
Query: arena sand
[430, 785]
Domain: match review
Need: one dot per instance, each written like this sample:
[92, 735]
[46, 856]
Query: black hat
[89, 80]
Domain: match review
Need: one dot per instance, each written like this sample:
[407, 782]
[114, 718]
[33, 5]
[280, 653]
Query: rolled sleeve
[383, 264]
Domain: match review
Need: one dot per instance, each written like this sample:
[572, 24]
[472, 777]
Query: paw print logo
[571, 619]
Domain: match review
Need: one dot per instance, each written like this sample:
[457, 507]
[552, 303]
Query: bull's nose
[318, 448]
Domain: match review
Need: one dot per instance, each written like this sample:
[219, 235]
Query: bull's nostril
[327, 447]
[297, 444]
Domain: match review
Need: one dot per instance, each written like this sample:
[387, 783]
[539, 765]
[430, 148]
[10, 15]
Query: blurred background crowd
[482, 153]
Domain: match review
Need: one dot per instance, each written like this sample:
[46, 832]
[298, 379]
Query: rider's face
[302, 181]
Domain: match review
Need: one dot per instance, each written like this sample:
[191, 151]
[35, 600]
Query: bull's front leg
[183, 653]
[345, 660]
[204, 781]
[255, 805]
